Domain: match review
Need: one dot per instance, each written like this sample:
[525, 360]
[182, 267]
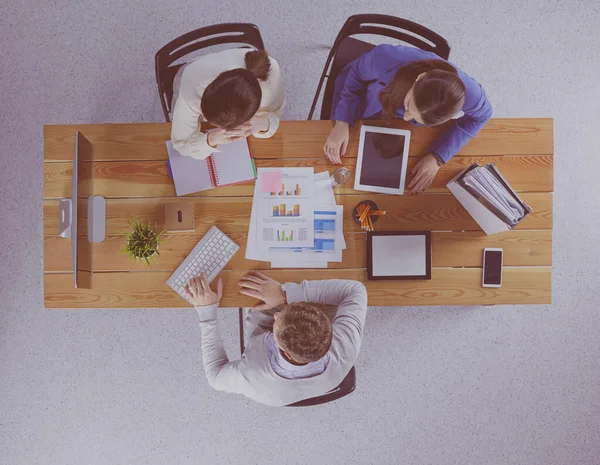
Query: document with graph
[329, 242]
[282, 211]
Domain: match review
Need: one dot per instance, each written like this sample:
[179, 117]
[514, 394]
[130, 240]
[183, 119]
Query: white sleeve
[275, 101]
[186, 136]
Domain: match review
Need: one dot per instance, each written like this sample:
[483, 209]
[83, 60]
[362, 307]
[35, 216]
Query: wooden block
[449, 286]
[179, 217]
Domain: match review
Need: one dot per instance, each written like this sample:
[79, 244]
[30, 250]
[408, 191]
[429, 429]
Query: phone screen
[492, 274]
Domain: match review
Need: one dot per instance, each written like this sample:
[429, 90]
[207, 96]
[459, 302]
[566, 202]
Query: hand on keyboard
[199, 293]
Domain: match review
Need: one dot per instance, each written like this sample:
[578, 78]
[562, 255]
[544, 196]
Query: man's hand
[216, 137]
[423, 174]
[337, 142]
[200, 293]
[261, 287]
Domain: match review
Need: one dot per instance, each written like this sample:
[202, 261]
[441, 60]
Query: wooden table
[130, 171]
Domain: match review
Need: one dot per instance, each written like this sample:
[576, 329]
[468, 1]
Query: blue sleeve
[361, 71]
[477, 112]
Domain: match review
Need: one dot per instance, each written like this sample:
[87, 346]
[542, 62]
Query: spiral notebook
[233, 164]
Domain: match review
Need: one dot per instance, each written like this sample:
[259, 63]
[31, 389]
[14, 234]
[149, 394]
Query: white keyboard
[210, 256]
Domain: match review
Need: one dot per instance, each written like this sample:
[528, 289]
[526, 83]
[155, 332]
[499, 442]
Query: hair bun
[258, 63]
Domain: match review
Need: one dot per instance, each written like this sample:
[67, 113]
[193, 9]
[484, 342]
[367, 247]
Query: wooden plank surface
[297, 139]
[130, 171]
[450, 249]
[430, 212]
[448, 286]
[151, 179]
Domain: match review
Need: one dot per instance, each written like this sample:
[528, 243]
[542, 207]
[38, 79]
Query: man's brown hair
[439, 94]
[234, 96]
[303, 332]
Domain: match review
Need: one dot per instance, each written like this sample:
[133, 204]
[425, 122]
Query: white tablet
[382, 160]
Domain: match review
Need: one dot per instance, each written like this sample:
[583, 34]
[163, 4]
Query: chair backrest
[217, 34]
[347, 385]
[382, 25]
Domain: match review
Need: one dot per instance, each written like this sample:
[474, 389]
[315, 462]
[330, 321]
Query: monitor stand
[96, 218]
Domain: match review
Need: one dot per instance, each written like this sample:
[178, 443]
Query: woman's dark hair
[438, 95]
[234, 96]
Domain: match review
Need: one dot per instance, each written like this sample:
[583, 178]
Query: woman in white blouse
[239, 91]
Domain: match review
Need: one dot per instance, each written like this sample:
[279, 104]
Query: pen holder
[374, 207]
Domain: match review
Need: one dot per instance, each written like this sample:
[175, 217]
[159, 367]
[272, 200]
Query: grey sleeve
[351, 299]
[221, 374]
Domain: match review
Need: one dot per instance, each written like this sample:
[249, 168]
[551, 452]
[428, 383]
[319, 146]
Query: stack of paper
[486, 186]
[295, 222]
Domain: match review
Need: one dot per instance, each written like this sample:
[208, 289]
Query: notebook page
[189, 174]
[233, 163]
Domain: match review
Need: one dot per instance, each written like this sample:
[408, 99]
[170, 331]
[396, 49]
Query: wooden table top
[131, 173]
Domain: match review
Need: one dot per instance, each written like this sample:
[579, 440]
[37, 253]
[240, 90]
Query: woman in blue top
[418, 86]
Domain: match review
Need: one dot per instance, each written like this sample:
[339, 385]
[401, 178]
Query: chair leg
[241, 320]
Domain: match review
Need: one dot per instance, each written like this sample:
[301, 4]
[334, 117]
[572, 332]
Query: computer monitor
[82, 217]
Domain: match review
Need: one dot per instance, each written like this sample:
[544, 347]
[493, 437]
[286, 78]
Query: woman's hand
[218, 136]
[199, 292]
[337, 142]
[259, 123]
[261, 287]
[423, 174]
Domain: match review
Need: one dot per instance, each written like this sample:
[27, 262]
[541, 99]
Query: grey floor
[473, 385]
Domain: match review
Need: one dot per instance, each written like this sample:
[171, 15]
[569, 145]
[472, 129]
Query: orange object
[365, 212]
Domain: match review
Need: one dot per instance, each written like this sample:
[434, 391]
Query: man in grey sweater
[305, 355]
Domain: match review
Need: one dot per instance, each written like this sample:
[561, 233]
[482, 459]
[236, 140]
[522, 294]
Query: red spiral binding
[212, 171]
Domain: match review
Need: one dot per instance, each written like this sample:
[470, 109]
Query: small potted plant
[143, 240]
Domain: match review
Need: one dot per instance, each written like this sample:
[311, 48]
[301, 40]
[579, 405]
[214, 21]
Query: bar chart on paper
[282, 237]
[288, 191]
[284, 209]
[276, 235]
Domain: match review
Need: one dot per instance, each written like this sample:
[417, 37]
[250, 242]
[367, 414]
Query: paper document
[283, 217]
[485, 185]
[329, 240]
[286, 264]
[323, 189]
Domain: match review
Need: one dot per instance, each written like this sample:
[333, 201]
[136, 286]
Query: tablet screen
[382, 160]
[404, 255]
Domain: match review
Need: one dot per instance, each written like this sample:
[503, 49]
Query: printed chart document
[329, 242]
[283, 217]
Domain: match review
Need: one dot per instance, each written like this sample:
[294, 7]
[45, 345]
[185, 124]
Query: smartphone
[492, 267]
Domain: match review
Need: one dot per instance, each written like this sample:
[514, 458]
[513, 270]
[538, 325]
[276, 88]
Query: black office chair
[346, 49]
[347, 385]
[217, 34]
